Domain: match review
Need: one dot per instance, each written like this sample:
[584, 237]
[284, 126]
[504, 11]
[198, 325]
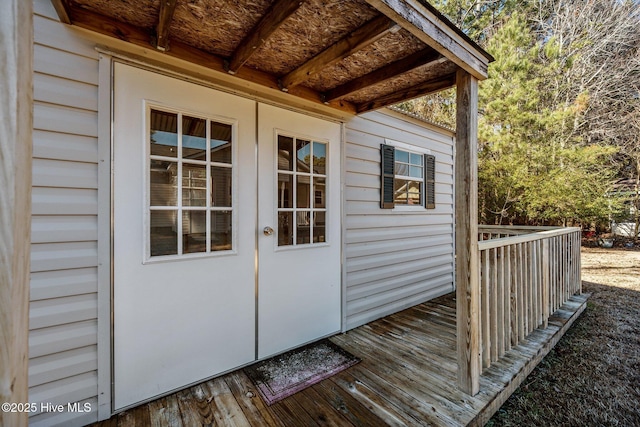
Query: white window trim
[147, 258]
[417, 150]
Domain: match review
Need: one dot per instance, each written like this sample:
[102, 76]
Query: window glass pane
[402, 169]
[303, 227]
[164, 134]
[163, 233]
[194, 232]
[400, 191]
[285, 228]
[220, 187]
[221, 230]
[194, 138]
[285, 153]
[163, 184]
[414, 193]
[319, 158]
[402, 156]
[319, 191]
[416, 159]
[194, 185]
[415, 171]
[285, 190]
[303, 188]
[319, 227]
[220, 142]
[303, 153]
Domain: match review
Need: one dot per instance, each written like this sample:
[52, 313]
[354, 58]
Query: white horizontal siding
[395, 258]
[63, 356]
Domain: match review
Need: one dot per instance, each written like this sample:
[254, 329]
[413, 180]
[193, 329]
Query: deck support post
[16, 123]
[466, 230]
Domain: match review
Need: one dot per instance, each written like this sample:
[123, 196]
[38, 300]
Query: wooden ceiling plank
[430, 86]
[358, 39]
[270, 22]
[415, 60]
[167, 8]
[61, 9]
[137, 36]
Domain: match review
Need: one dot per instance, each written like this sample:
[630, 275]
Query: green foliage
[545, 151]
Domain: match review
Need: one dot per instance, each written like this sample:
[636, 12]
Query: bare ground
[592, 377]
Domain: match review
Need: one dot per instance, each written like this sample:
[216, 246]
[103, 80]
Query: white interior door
[184, 240]
[299, 199]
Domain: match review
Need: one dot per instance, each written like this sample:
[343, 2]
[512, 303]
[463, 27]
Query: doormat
[293, 371]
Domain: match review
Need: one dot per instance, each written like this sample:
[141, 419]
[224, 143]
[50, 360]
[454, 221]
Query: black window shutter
[430, 181]
[387, 173]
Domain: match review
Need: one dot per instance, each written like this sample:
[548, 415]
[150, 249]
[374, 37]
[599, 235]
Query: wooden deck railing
[526, 273]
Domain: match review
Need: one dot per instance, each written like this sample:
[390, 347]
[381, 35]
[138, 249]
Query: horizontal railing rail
[526, 274]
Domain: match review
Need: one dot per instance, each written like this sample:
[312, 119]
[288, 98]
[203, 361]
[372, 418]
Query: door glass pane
[164, 134]
[319, 191]
[285, 190]
[221, 230]
[303, 227]
[285, 153]
[220, 142]
[220, 187]
[163, 183]
[194, 185]
[194, 232]
[319, 158]
[319, 227]
[303, 153]
[303, 188]
[164, 236]
[285, 228]
[194, 138]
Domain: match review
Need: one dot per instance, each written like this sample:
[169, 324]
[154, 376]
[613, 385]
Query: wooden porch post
[16, 101]
[466, 199]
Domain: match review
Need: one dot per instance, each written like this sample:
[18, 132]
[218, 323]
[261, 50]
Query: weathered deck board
[407, 377]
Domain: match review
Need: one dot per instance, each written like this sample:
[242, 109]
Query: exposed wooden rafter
[135, 35]
[167, 8]
[270, 22]
[424, 88]
[61, 9]
[387, 72]
[358, 39]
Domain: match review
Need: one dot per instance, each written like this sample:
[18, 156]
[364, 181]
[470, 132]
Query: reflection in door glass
[163, 235]
[285, 228]
[163, 132]
[301, 191]
[190, 171]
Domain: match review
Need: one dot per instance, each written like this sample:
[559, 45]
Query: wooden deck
[407, 377]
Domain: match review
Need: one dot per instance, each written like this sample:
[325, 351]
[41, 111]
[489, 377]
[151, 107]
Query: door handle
[268, 231]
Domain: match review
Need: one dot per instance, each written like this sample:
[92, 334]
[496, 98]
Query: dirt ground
[592, 377]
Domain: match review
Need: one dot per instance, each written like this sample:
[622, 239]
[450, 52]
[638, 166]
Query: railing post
[545, 283]
[466, 199]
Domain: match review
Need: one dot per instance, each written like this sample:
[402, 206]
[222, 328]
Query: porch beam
[167, 8]
[61, 9]
[424, 88]
[16, 124]
[429, 26]
[360, 38]
[418, 59]
[137, 36]
[270, 22]
[466, 228]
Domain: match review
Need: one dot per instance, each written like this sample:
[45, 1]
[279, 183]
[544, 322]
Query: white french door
[184, 243]
[194, 216]
[299, 229]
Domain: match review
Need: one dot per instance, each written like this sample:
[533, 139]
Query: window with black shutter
[407, 177]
